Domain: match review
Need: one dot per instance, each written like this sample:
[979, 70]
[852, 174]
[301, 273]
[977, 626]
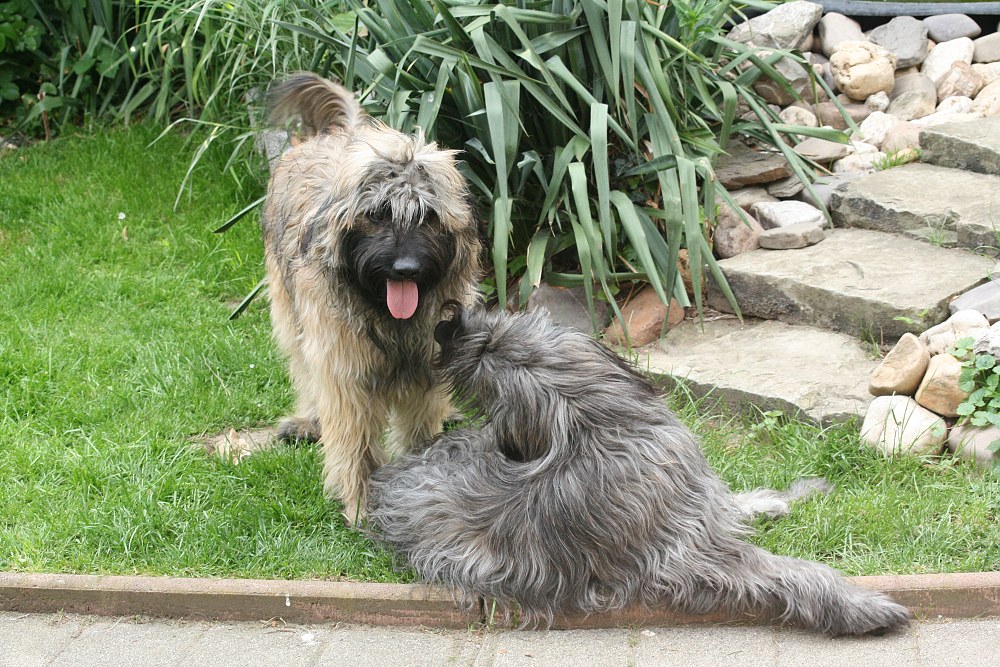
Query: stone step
[864, 283]
[973, 146]
[802, 371]
[934, 204]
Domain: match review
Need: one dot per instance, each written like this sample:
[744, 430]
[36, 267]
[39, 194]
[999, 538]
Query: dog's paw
[298, 430]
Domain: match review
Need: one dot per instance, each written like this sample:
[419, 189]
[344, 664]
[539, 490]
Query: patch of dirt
[236, 445]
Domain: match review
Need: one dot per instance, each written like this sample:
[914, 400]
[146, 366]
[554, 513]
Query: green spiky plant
[589, 129]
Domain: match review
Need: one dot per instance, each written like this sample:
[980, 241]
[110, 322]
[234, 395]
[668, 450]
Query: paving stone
[30, 640]
[768, 364]
[923, 201]
[564, 647]
[797, 649]
[985, 299]
[823, 187]
[744, 167]
[973, 146]
[105, 642]
[960, 645]
[256, 644]
[856, 281]
[723, 647]
[360, 646]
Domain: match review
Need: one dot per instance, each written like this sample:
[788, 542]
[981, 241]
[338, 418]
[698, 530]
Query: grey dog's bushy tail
[317, 104]
[774, 504]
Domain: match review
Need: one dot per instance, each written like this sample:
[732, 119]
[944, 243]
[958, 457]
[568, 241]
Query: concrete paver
[56, 639]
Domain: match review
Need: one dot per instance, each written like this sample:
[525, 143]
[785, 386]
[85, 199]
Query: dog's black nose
[405, 268]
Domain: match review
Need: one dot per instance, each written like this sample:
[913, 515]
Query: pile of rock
[917, 385]
[893, 81]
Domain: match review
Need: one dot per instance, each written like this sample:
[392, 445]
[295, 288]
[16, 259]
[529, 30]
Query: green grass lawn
[115, 352]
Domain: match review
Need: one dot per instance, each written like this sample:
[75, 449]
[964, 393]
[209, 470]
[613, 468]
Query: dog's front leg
[416, 418]
[351, 424]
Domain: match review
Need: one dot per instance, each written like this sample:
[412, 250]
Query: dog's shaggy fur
[582, 493]
[367, 232]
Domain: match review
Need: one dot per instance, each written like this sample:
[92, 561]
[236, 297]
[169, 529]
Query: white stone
[897, 425]
[861, 69]
[947, 117]
[874, 128]
[972, 442]
[835, 29]
[798, 116]
[784, 27]
[944, 55]
[902, 369]
[858, 163]
[878, 102]
[988, 100]
[960, 80]
[963, 323]
[785, 213]
[989, 71]
[955, 104]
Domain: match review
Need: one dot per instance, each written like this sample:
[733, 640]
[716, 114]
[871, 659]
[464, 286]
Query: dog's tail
[318, 105]
[776, 504]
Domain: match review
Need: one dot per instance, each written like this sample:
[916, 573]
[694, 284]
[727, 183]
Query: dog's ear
[450, 328]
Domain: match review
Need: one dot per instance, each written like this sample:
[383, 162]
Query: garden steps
[815, 374]
[935, 204]
[864, 283]
[972, 146]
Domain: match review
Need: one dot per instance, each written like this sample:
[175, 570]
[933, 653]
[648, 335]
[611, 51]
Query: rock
[955, 104]
[987, 101]
[858, 163]
[861, 69]
[785, 188]
[878, 102]
[798, 235]
[990, 72]
[568, 306]
[684, 268]
[644, 315]
[733, 235]
[902, 136]
[988, 342]
[829, 114]
[904, 36]
[821, 150]
[944, 55]
[748, 196]
[913, 104]
[797, 77]
[784, 27]
[984, 299]
[946, 117]
[902, 369]
[946, 27]
[798, 116]
[960, 80]
[961, 324]
[874, 128]
[911, 82]
[939, 391]
[973, 442]
[834, 29]
[897, 425]
[785, 213]
[823, 188]
[986, 49]
[744, 166]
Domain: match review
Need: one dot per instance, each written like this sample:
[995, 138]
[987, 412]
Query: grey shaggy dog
[581, 492]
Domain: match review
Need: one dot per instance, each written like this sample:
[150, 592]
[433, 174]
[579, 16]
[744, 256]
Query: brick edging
[928, 596]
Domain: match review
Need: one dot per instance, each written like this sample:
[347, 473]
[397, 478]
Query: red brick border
[928, 596]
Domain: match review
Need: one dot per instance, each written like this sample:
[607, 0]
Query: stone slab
[923, 201]
[973, 146]
[860, 282]
[815, 374]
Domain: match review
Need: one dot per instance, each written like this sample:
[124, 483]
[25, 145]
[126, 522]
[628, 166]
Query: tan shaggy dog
[367, 232]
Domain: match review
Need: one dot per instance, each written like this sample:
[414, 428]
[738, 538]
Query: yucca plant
[589, 128]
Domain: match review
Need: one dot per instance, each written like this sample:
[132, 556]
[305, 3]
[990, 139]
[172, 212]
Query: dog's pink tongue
[401, 297]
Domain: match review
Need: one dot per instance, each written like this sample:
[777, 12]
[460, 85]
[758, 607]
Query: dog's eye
[380, 216]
